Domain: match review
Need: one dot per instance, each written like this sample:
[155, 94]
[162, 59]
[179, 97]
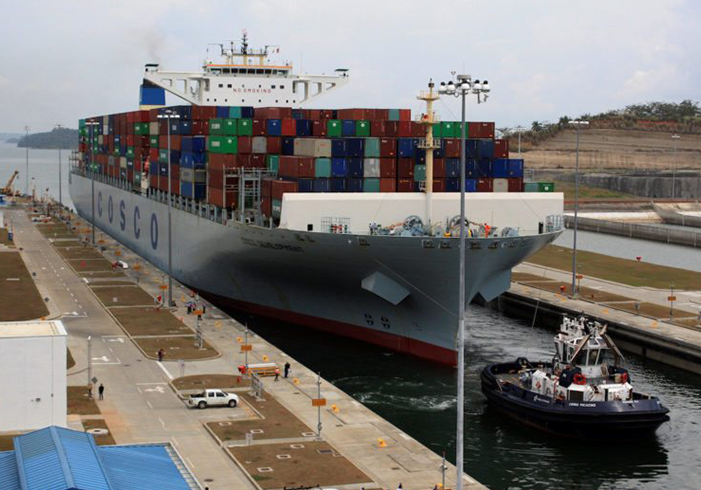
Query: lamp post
[519, 129]
[167, 115]
[60, 199]
[26, 147]
[462, 87]
[675, 138]
[577, 124]
[91, 168]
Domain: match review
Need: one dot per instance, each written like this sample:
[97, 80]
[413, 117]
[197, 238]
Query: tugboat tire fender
[580, 379]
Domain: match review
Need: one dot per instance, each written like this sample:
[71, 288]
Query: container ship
[343, 220]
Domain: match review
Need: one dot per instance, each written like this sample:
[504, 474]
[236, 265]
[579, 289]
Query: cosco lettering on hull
[152, 223]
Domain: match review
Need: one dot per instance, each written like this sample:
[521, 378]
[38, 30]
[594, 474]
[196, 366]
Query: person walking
[101, 391]
[161, 354]
[277, 374]
[287, 369]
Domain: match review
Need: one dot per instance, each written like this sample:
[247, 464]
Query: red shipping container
[501, 148]
[203, 113]
[391, 129]
[388, 148]
[142, 116]
[257, 161]
[288, 166]
[314, 114]
[130, 175]
[451, 148]
[306, 167]
[482, 130]
[381, 114]
[280, 187]
[289, 127]
[405, 114]
[244, 145]
[162, 127]
[438, 185]
[404, 129]
[129, 140]
[174, 142]
[377, 129]
[141, 141]
[216, 197]
[388, 168]
[485, 185]
[405, 185]
[220, 160]
[200, 128]
[354, 114]
[130, 117]
[258, 127]
[319, 128]
[515, 185]
[215, 178]
[274, 145]
[138, 165]
[326, 114]
[266, 205]
[438, 168]
[388, 185]
[163, 182]
[242, 161]
[153, 115]
[272, 112]
[153, 154]
[153, 181]
[267, 187]
[418, 130]
[405, 168]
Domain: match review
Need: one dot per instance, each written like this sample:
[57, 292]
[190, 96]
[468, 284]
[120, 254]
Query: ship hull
[397, 292]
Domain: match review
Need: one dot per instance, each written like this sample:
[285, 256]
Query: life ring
[580, 379]
[537, 385]
[624, 378]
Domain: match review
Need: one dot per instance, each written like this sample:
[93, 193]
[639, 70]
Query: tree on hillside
[536, 126]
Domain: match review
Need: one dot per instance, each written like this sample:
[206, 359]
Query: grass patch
[91, 265]
[589, 192]
[176, 348]
[112, 283]
[79, 403]
[102, 275]
[79, 253]
[125, 295]
[652, 310]
[526, 277]
[209, 381]
[4, 240]
[65, 243]
[20, 299]
[278, 422]
[149, 321]
[104, 440]
[316, 463]
[623, 271]
[591, 294]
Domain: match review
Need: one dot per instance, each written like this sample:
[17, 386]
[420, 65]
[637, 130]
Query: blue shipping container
[321, 185]
[348, 128]
[339, 168]
[486, 148]
[338, 185]
[174, 157]
[189, 159]
[274, 127]
[199, 144]
[470, 185]
[452, 184]
[338, 148]
[355, 147]
[484, 167]
[354, 185]
[452, 167]
[288, 146]
[186, 144]
[500, 168]
[515, 166]
[355, 168]
[246, 112]
[305, 185]
[223, 112]
[304, 127]
[472, 149]
[405, 147]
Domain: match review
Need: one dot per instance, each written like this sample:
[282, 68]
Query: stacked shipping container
[308, 150]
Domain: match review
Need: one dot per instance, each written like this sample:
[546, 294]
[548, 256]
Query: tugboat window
[592, 357]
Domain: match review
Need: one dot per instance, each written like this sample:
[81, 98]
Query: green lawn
[588, 192]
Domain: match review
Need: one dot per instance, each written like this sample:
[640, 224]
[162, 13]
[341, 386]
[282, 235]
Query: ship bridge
[243, 77]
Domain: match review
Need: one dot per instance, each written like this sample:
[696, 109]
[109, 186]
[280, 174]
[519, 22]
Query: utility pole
[519, 129]
[90, 364]
[318, 407]
[26, 147]
[675, 138]
[578, 123]
[60, 196]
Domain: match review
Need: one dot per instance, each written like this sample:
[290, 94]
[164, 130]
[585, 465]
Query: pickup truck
[213, 398]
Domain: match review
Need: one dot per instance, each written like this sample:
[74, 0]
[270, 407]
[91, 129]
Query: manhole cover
[283, 456]
[265, 469]
[297, 446]
[324, 451]
[98, 432]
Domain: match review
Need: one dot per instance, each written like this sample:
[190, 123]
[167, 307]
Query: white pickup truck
[213, 398]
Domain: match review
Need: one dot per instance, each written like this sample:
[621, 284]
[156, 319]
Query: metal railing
[635, 230]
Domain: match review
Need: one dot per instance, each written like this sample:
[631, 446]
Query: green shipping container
[362, 128]
[222, 144]
[372, 147]
[419, 173]
[235, 112]
[83, 132]
[272, 162]
[244, 127]
[371, 185]
[153, 141]
[437, 130]
[81, 123]
[393, 114]
[322, 168]
[163, 155]
[137, 178]
[216, 127]
[141, 129]
[130, 152]
[448, 129]
[333, 128]
[277, 208]
[530, 187]
[546, 187]
[457, 130]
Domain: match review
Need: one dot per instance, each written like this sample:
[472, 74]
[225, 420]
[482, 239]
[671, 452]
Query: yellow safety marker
[117, 253]
[606, 310]
[239, 339]
[335, 408]
[164, 287]
[295, 381]
[217, 324]
[318, 402]
[182, 298]
[246, 347]
[655, 324]
[265, 358]
[381, 442]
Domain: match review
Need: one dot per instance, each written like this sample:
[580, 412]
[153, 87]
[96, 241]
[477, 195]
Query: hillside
[64, 138]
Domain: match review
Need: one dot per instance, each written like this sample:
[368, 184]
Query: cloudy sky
[62, 60]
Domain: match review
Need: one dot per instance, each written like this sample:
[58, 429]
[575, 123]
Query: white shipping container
[259, 144]
[312, 147]
[371, 168]
[153, 128]
[123, 162]
[501, 185]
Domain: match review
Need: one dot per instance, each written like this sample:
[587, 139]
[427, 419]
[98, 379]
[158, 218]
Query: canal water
[419, 398]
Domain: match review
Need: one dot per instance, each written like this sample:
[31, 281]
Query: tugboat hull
[627, 420]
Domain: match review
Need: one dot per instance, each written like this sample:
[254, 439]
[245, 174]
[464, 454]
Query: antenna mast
[429, 145]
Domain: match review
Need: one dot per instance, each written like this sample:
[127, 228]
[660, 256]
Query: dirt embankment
[614, 149]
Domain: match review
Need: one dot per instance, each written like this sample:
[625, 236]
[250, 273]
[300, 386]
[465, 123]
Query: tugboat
[583, 393]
